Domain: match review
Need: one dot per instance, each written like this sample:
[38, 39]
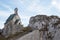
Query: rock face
[31, 36]
[12, 24]
[49, 26]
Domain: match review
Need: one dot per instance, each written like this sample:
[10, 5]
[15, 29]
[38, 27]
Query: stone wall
[31, 36]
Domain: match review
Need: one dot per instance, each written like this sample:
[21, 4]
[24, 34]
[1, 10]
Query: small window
[19, 23]
[16, 21]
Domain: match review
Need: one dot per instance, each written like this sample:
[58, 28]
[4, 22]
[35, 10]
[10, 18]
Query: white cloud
[56, 3]
[4, 13]
[6, 6]
[25, 19]
[1, 24]
[39, 9]
[34, 6]
[18, 2]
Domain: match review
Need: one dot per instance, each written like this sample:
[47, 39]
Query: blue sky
[28, 8]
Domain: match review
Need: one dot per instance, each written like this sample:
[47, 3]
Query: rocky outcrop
[41, 27]
[49, 26]
[34, 35]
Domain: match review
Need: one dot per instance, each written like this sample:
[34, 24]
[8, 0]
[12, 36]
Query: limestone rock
[49, 26]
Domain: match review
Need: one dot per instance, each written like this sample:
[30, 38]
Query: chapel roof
[10, 18]
[12, 15]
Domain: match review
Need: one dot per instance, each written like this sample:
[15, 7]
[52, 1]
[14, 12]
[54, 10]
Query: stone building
[12, 24]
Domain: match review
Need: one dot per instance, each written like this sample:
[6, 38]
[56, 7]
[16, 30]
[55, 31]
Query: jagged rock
[49, 26]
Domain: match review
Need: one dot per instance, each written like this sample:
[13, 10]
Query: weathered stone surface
[49, 26]
[35, 35]
[44, 27]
